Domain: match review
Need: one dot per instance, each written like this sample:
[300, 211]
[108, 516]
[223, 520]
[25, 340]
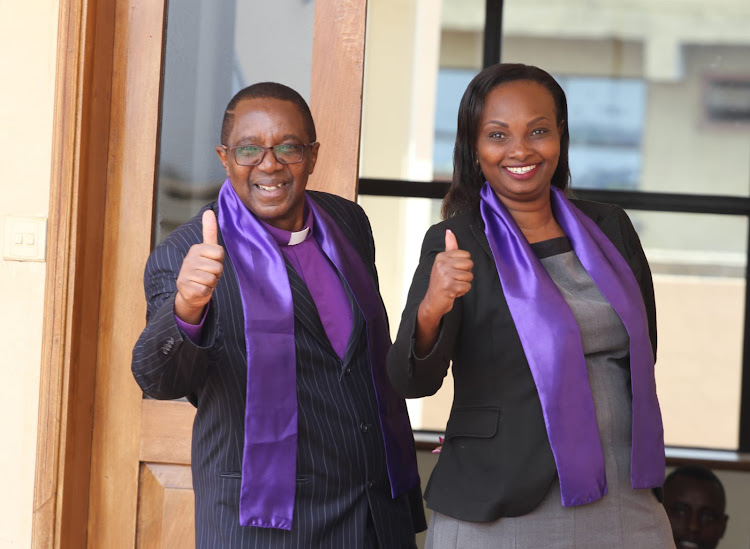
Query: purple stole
[269, 459]
[552, 343]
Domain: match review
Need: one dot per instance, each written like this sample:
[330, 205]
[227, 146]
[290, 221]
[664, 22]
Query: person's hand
[200, 272]
[450, 279]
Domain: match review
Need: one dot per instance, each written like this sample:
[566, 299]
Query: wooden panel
[77, 194]
[336, 93]
[52, 420]
[166, 508]
[166, 431]
[127, 240]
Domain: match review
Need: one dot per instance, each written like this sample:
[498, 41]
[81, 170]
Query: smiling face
[274, 192]
[518, 141]
[695, 508]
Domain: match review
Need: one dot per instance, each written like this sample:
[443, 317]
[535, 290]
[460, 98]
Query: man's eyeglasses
[252, 155]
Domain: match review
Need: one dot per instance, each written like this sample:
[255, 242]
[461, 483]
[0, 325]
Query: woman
[545, 307]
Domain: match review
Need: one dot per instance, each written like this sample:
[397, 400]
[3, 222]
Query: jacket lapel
[305, 310]
[358, 325]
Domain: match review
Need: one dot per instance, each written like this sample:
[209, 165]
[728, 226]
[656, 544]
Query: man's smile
[273, 187]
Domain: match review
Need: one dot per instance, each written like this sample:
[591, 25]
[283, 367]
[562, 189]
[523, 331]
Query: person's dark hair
[697, 472]
[267, 89]
[463, 195]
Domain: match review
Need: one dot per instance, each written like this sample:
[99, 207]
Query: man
[695, 503]
[264, 311]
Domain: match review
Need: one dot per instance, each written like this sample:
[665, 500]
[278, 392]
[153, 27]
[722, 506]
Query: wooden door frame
[105, 138]
[73, 279]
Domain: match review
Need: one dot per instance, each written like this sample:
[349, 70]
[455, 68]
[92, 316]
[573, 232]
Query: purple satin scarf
[552, 344]
[269, 457]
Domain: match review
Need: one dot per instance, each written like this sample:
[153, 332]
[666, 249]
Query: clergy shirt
[320, 276]
[326, 287]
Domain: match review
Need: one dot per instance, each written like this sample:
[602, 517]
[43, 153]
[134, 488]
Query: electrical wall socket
[25, 239]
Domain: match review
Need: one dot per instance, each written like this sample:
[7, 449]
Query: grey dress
[624, 518]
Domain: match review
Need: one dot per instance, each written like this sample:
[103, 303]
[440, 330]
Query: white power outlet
[25, 238]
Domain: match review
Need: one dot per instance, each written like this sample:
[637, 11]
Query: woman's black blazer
[496, 460]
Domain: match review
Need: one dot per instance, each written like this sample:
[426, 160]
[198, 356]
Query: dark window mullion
[493, 32]
[631, 200]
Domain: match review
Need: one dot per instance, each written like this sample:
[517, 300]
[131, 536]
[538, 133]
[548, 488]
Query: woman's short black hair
[463, 195]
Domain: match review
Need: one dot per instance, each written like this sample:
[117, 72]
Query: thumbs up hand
[450, 278]
[200, 272]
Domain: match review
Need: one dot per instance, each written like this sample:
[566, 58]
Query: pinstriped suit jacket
[343, 495]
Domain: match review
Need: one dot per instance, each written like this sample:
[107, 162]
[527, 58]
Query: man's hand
[450, 278]
[200, 272]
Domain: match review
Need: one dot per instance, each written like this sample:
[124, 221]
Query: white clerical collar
[298, 237]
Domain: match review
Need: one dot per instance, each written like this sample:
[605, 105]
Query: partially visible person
[264, 311]
[695, 502]
[543, 308]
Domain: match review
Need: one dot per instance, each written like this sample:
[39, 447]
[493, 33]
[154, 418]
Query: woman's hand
[450, 279]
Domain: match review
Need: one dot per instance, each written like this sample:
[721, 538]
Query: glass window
[415, 68]
[408, 130]
[699, 284]
[606, 121]
[398, 226]
[214, 49]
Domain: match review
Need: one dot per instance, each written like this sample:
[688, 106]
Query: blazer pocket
[475, 421]
[231, 474]
[235, 475]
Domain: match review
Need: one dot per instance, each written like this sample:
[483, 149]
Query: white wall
[28, 36]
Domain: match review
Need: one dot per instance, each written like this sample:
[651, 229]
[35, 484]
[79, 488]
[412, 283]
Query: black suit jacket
[496, 460]
[341, 471]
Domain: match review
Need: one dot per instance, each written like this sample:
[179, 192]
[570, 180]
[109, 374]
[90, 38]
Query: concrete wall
[28, 36]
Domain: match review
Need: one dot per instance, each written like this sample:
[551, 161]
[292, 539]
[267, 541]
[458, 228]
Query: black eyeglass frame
[266, 149]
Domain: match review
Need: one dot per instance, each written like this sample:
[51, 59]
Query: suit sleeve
[166, 363]
[411, 376]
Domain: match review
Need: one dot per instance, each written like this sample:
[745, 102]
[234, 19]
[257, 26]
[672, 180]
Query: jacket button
[370, 484]
[364, 427]
[166, 348]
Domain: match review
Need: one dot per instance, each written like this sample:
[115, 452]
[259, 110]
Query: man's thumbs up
[200, 272]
